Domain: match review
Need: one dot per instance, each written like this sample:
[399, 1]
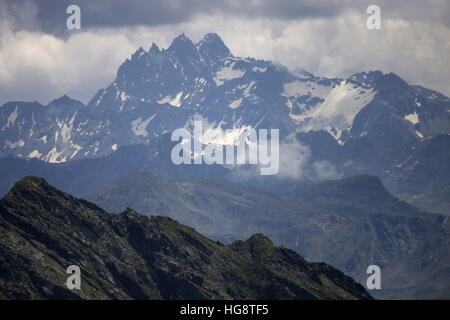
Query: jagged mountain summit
[369, 123]
[159, 90]
[130, 256]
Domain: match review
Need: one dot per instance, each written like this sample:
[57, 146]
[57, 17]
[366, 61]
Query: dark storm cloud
[50, 15]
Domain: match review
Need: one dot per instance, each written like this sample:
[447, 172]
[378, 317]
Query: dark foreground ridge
[131, 256]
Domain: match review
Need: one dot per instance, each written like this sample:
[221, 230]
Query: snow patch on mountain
[339, 109]
[228, 73]
[236, 103]
[344, 100]
[76, 147]
[101, 97]
[54, 156]
[124, 97]
[216, 133]
[138, 126]
[420, 135]
[417, 102]
[11, 119]
[173, 101]
[413, 118]
[247, 89]
[35, 154]
[12, 145]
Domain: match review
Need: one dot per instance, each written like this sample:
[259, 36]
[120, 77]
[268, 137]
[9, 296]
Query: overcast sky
[41, 60]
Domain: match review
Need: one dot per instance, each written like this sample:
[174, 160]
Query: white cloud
[296, 162]
[42, 67]
[38, 66]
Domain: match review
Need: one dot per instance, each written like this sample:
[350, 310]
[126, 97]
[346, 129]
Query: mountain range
[349, 223]
[364, 171]
[370, 122]
[130, 256]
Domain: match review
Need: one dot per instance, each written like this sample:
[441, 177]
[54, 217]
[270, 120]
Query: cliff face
[131, 256]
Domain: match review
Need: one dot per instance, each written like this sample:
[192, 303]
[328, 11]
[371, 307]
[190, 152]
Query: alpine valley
[364, 169]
